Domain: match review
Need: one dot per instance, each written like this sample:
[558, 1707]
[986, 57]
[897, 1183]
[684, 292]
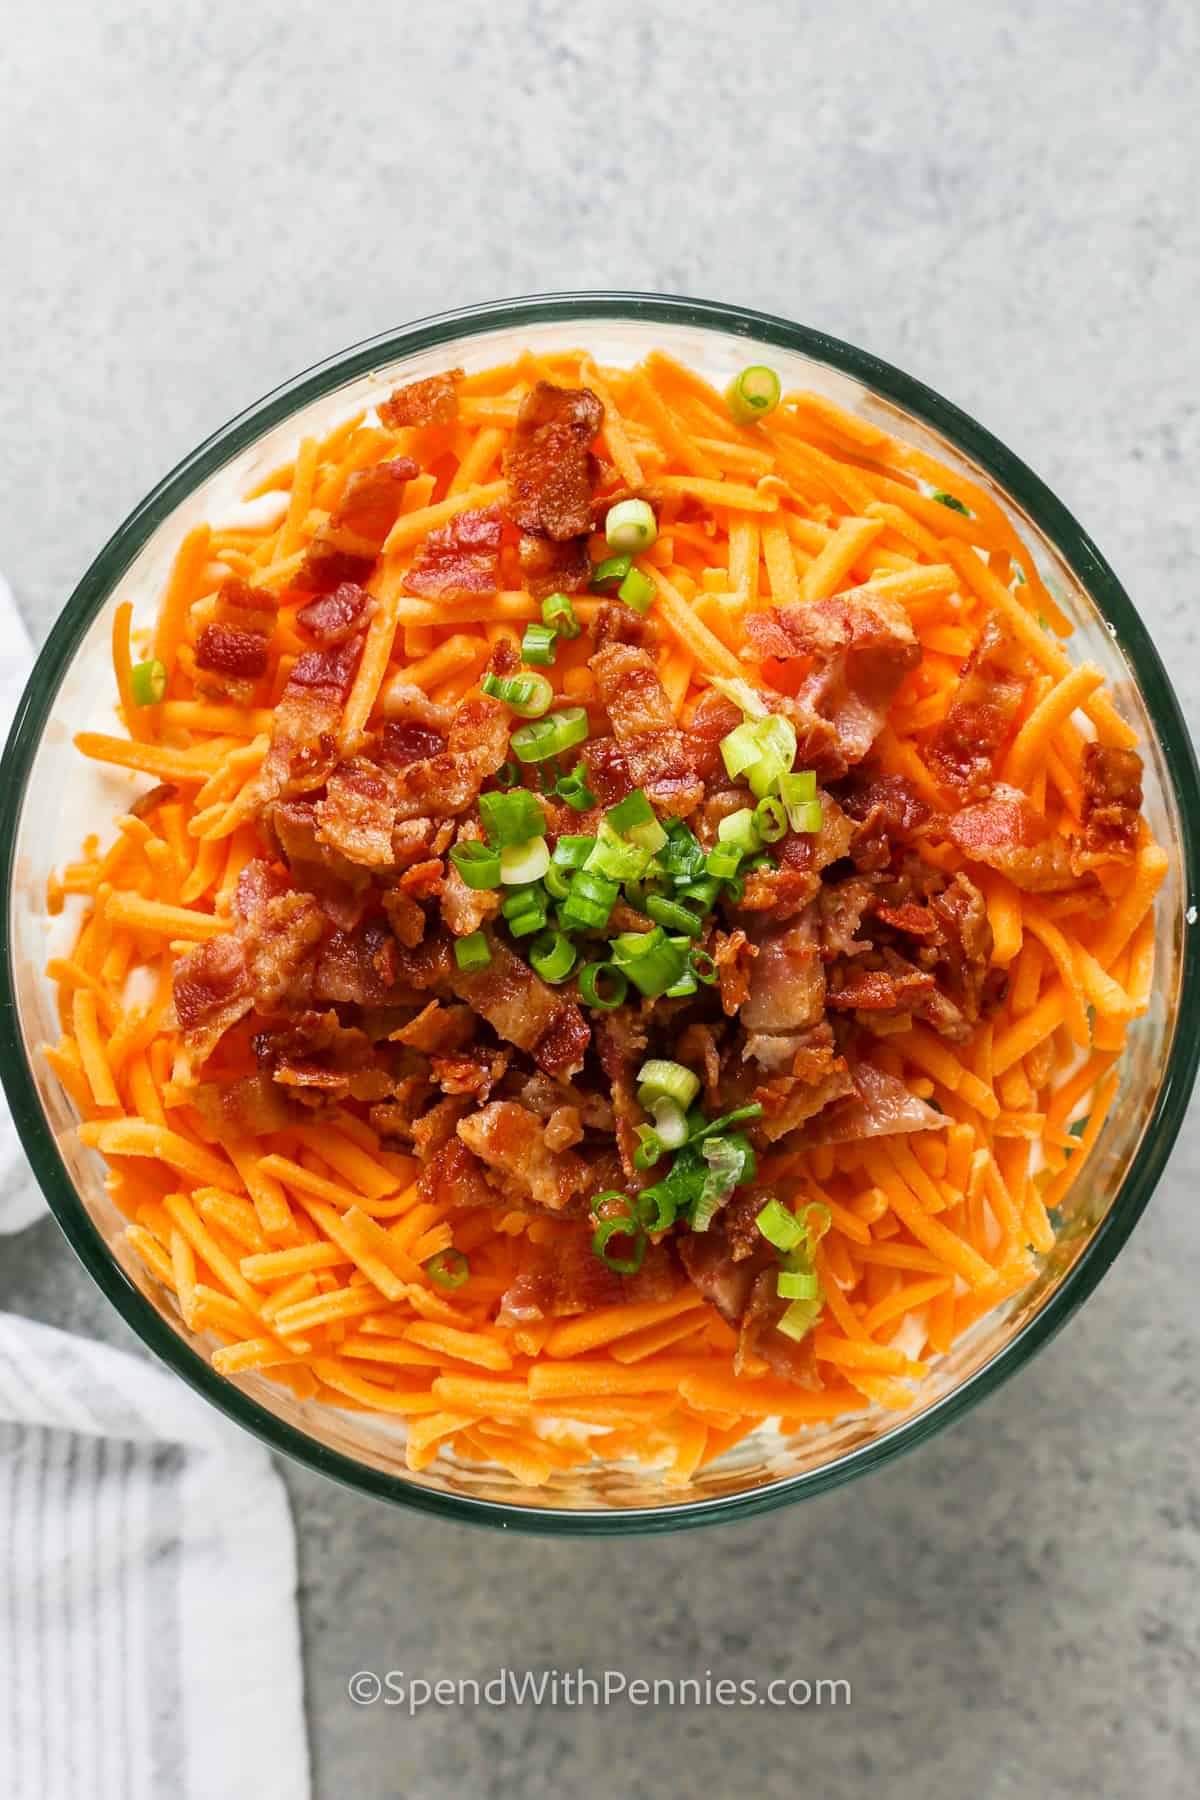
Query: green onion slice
[521, 864]
[608, 575]
[538, 645]
[798, 1284]
[753, 394]
[637, 590]
[703, 967]
[650, 960]
[573, 788]
[558, 612]
[448, 1269]
[629, 1227]
[529, 694]
[552, 956]
[673, 916]
[740, 830]
[659, 1079]
[478, 864]
[572, 852]
[807, 816]
[511, 818]
[148, 682]
[771, 819]
[472, 952]
[590, 901]
[949, 500]
[630, 526]
[780, 1227]
[550, 736]
[614, 990]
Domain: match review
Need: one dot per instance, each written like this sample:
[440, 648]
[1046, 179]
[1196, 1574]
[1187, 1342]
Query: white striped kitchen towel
[149, 1640]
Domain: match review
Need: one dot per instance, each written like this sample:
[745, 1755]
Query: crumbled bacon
[437, 1127]
[563, 1045]
[878, 1105]
[357, 814]
[563, 1278]
[303, 747]
[787, 983]
[148, 803]
[842, 906]
[899, 986]
[962, 750]
[966, 940]
[621, 625]
[520, 1007]
[401, 745]
[475, 1075]
[654, 749]
[279, 929]
[548, 567]
[548, 466]
[606, 772]
[231, 650]
[1008, 835]
[620, 1044]
[477, 745]
[211, 993]
[734, 956]
[459, 558]
[1112, 800]
[338, 885]
[860, 646]
[405, 917]
[563, 1129]
[465, 909]
[511, 1144]
[332, 618]
[433, 401]
[317, 1059]
[714, 718]
[369, 507]
[359, 967]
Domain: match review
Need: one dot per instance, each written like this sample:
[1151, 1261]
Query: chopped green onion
[711, 1199]
[669, 1121]
[651, 1148]
[550, 736]
[752, 394]
[574, 789]
[781, 1228]
[633, 810]
[702, 967]
[628, 1228]
[572, 852]
[655, 1208]
[508, 775]
[616, 984]
[771, 820]
[637, 590]
[660, 1079]
[557, 881]
[590, 901]
[807, 816]
[552, 956]
[558, 612]
[538, 645]
[650, 960]
[738, 1116]
[761, 749]
[511, 818]
[529, 695]
[740, 830]
[682, 856]
[702, 893]
[794, 789]
[674, 916]
[615, 857]
[798, 1284]
[609, 574]
[548, 774]
[740, 748]
[478, 865]
[723, 859]
[525, 911]
[148, 682]
[949, 500]
[732, 1158]
[447, 1269]
[522, 863]
[472, 952]
[799, 1319]
[630, 526]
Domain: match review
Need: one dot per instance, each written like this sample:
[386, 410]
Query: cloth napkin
[149, 1639]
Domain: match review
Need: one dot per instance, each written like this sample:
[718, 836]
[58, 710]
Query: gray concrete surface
[201, 199]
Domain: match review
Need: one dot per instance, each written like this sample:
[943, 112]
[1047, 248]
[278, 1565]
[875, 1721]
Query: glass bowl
[50, 798]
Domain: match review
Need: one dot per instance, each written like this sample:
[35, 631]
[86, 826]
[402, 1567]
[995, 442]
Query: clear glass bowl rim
[1052, 518]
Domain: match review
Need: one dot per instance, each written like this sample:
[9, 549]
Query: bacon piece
[435, 1129]
[279, 929]
[544, 1094]
[566, 1277]
[517, 1004]
[448, 782]
[813, 1074]
[759, 1337]
[332, 618]
[620, 1044]
[714, 718]
[401, 745]
[861, 646]
[475, 1075]
[548, 466]
[405, 917]
[303, 747]
[459, 558]
[655, 750]
[464, 908]
[991, 686]
[433, 401]
[563, 1045]
[697, 1044]
[511, 1143]
[325, 569]
[428, 966]
[878, 1105]
[735, 1270]
[787, 985]
[317, 1059]
[966, 935]
[563, 1129]
[1112, 800]
[369, 507]
[896, 988]
[606, 773]
[1006, 834]
[734, 955]
[338, 885]
[358, 813]
[438, 1030]
[231, 650]
[359, 967]
[842, 905]
[453, 1175]
[621, 625]
[251, 1106]
[211, 993]
[548, 567]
